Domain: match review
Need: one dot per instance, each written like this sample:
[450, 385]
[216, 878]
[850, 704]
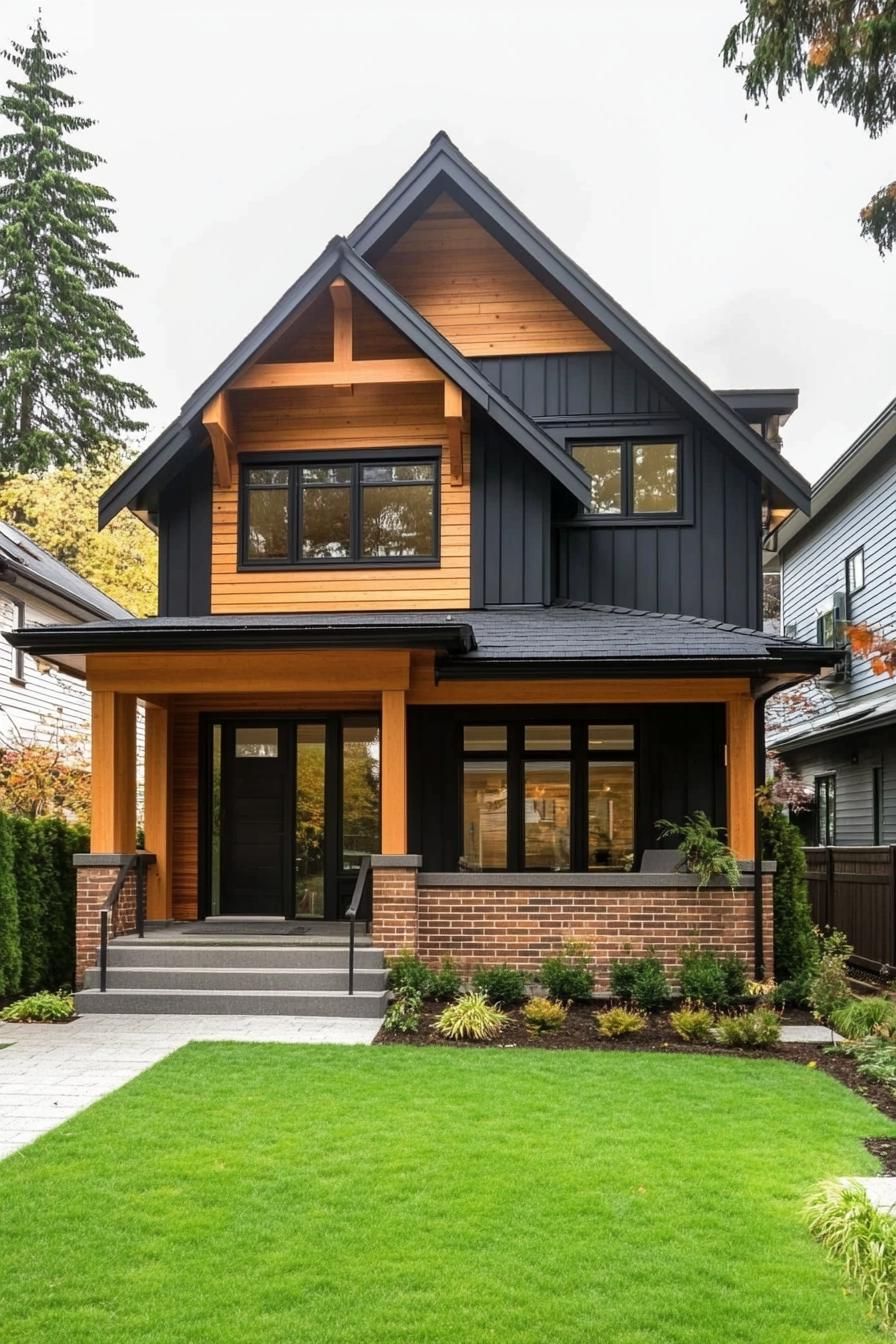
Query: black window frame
[515, 756]
[850, 591]
[628, 442]
[827, 784]
[17, 664]
[355, 459]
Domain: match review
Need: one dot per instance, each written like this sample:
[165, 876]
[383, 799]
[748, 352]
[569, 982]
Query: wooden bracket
[454, 421]
[218, 421]
[341, 297]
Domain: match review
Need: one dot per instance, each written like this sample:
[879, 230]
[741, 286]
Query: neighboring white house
[37, 702]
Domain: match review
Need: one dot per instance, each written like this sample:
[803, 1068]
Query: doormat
[247, 929]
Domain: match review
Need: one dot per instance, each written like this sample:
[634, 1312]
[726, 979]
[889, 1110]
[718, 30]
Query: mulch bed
[580, 1033]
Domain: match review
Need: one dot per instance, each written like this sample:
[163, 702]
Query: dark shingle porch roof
[567, 639]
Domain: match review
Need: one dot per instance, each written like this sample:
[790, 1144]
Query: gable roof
[166, 455]
[878, 436]
[42, 574]
[443, 167]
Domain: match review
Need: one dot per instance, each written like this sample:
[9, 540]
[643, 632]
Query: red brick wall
[485, 925]
[94, 885]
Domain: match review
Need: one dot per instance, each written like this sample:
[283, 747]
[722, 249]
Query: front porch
[505, 816]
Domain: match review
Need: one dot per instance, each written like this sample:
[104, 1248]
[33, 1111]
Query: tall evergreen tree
[59, 329]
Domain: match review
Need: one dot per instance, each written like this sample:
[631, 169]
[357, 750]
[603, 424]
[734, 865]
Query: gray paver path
[49, 1073]
[809, 1034]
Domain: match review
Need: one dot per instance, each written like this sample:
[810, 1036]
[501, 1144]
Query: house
[459, 568]
[39, 704]
[839, 567]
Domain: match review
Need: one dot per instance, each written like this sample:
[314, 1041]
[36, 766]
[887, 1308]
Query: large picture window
[632, 477]
[548, 797]
[375, 510]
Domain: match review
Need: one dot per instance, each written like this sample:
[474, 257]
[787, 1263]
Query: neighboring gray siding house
[840, 566]
[38, 703]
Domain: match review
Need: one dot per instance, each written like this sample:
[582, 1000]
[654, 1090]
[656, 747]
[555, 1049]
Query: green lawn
[240, 1194]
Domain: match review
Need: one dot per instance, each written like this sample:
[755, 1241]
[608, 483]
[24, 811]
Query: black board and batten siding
[706, 564]
[185, 541]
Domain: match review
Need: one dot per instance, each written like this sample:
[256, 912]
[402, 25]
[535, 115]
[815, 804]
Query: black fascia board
[144, 637]
[628, 669]
[442, 166]
[340, 261]
[760, 400]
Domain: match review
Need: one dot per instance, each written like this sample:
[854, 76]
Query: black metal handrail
[351, 915]
[133, 862]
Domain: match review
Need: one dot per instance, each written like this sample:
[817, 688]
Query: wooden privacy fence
[854, 889]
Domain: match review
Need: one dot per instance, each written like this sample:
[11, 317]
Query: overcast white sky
[240, 138]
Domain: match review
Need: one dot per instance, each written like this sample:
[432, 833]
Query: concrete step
[228, 977]
[252, 1003]
[197, 953]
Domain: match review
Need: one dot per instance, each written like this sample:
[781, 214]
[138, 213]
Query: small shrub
[714, 980]
[544, 1015]
[619, 1022]
[845, 1221]
[408, 972]
[641, 981]
[704, 851]
[40, 1007]
[568, 976]
[471, 1017]
[749, 1031]
[500, 984]
[404, 1012]
[692, 1023]
[861, 1017]
[791, 993]
[445, 983]
[876, 1059]
[829, 985]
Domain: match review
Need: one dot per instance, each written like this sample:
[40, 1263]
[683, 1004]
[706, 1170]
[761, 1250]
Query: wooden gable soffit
[218, 421]
[454, 422]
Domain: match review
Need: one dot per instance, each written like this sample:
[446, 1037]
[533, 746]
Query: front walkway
[48, 1073]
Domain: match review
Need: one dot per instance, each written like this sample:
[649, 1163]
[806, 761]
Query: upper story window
[632, 477]
[320, 511]
[855, 571]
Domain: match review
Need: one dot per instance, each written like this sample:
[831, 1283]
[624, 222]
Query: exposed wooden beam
[218, 421]
[247, 672]
[157, 810]
[393, 777]
[113, 810]
[341, 297]
[741, 776]
[454, 420]
[325, 374]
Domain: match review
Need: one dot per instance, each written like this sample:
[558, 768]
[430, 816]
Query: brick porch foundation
[96, 876]
[485, 919]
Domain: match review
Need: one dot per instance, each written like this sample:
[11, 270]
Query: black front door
[256, 807]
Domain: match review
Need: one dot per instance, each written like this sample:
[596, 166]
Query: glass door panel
[311, 759]
[360, 792]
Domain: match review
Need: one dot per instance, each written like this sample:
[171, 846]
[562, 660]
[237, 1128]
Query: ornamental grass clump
[692, 1023]
[864, 1017]
[755, 1030]
[503, 985]
[569, 976]
[471, 1017]
[641, 981]
[862, 1238]
[619, 1022]
[41, 1007]
[544, 1015]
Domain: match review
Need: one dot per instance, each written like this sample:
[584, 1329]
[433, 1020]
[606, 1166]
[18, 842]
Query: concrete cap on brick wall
[109, 860]
[396, 861]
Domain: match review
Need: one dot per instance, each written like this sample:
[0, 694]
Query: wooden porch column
[393, 774]
[741, 776]
[157, 810]
[113, 767]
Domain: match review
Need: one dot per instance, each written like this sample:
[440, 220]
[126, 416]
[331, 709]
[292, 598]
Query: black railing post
[104, 948]
[351, 915]
[351, 955]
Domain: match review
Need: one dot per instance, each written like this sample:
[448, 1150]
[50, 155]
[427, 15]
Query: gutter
[21, 576]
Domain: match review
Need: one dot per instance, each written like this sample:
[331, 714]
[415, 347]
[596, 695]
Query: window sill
[312, 566]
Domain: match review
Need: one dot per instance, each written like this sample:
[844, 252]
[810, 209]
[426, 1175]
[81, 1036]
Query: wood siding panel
[474, 292]
[314, 419]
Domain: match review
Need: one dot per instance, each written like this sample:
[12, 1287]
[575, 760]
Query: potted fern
[703, 850]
